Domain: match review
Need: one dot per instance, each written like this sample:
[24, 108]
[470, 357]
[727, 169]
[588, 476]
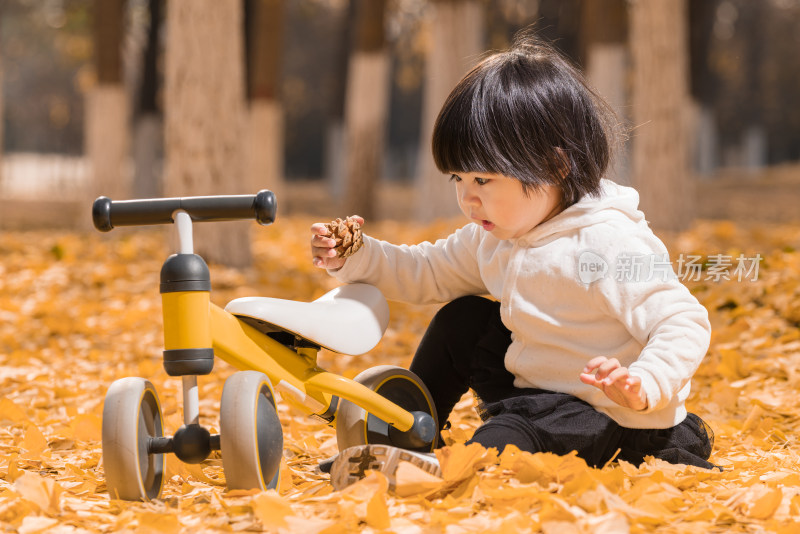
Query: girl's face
[499, 204]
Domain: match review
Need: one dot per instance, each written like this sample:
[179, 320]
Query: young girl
[591, 343]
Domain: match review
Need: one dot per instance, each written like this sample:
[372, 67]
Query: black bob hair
[529, 114]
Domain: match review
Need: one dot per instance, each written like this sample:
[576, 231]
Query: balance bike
[273, 342]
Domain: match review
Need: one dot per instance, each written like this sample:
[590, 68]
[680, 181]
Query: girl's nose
[467, 196]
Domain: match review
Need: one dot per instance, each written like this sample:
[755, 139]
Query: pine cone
[347, 234]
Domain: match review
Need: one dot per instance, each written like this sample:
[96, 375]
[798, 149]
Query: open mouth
[487, 225]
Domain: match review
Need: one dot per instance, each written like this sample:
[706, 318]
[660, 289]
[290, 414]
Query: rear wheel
[131, 416]
[355, 426]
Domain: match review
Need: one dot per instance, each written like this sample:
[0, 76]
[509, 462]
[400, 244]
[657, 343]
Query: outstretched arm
[423, 273]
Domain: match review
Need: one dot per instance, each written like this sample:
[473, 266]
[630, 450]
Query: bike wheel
[355, 426]
[131, 416]
[250, 432]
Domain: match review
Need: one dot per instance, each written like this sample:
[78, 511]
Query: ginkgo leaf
[87, 427]
[10, 412]
[34, 442]
[764, 502]
[411, 480]
[461, 461]
[271, 509]
[44, 492]
[158, 523]
[34, 524]
[377, 511]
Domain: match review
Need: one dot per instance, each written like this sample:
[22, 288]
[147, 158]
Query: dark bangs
[527, 113]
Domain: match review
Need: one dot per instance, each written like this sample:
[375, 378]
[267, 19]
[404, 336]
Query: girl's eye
[455, 178]
[481, 181]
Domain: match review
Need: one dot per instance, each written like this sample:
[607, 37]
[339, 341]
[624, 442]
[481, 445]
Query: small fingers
[319, 229]
[616, 377]
[606, 368]
[588, 375]
[588, 378]
[320, 244]
[319, 241]
[633, 383]
[327, 262]
[594, 363]
[322, 253]
[615, 381]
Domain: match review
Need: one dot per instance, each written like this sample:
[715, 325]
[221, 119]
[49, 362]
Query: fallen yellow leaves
[43, 493]
[78, 311]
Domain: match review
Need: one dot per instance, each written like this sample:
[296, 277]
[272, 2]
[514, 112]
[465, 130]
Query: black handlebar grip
[108, 214]
[101, 214]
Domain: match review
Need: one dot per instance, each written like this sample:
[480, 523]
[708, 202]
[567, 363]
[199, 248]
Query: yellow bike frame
[192, 321]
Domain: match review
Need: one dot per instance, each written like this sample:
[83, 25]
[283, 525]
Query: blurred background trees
[204, 110]
[331, 102]
[264, 26]
[148, 125]
[454, 30]
[660, 112]
[107, 138]
[365, 108]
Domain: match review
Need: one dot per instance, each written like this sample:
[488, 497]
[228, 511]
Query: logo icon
[591, 267]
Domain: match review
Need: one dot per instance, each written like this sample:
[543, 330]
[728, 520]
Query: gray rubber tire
[132, 415]
[250, 432]
[355, 426]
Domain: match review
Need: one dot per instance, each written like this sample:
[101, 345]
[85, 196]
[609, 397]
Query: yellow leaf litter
[79, 310]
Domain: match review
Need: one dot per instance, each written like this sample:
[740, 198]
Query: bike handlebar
[107, 214]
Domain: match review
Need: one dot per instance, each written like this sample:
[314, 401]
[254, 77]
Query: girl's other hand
[616, 382]
[323, 250]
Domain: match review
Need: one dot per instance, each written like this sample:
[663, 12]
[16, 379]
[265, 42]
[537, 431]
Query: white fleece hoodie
[592, 281]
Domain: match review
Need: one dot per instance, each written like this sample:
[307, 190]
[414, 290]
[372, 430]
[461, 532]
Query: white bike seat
[350, 319]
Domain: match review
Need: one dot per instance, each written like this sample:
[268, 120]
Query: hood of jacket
[613, 203]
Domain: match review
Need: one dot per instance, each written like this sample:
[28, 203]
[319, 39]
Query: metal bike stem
[183, 223]
[191, 400]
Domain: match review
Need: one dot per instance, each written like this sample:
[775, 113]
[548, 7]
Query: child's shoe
[325, 465]
[352, 464]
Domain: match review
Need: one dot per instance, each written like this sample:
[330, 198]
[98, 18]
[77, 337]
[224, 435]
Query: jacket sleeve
[421, 274]
[660, 313]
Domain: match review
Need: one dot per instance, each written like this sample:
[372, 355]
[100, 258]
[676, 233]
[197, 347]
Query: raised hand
[615, 381]
[323, 252]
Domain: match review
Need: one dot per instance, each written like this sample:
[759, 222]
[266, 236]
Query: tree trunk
[264, 157]
[335, 137]
[752, 18]
[704, 156]
[204, 117]
[456, 36]
[107, 139]
[605, 51]
[2, 104]
[658, 41]
[366, 108]
[148, 135]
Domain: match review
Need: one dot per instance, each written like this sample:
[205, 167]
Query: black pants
[464, 347]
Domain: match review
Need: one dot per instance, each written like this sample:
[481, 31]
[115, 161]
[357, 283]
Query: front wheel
[251, 437]
[355, 426]
[131, 416]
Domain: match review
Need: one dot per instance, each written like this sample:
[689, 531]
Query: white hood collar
[613, 202]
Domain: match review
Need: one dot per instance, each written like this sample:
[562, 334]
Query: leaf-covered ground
[79, 310]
